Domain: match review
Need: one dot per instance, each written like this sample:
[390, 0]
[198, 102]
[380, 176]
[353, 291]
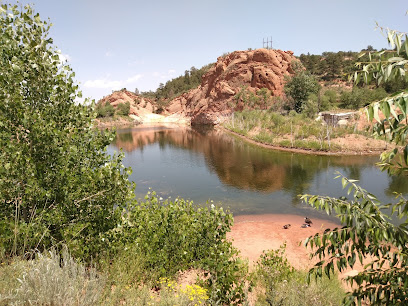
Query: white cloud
[133, 79]
[108, 53]
[112, 84]
[102, 83]
[136, 63]
[165, 75]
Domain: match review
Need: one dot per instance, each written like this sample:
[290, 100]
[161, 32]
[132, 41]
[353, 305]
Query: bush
[123, 109]
[53, 280]
[360, 97]
[283, 285]
[311, 107]
[300, 86]
[162, 238]
[105, 110]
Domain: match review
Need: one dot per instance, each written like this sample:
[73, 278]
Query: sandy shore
[252, 234]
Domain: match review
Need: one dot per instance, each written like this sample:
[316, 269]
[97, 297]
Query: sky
[139, 44]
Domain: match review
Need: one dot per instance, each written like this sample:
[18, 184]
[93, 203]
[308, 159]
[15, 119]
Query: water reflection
[209, 164]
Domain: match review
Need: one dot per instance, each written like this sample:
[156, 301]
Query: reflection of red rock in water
[233, 166]
[235, 163]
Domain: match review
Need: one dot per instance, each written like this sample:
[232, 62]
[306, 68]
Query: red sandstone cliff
[214, 98]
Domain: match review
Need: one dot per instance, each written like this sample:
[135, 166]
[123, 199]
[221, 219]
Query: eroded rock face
[214, 100]
[138, 105]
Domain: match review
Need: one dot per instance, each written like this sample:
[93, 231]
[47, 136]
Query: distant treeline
[177, 86]
[328, 66]
[332, 66]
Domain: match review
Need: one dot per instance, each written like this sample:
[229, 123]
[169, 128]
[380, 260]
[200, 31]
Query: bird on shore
[305, 225]
[286, 226]
[308, 221]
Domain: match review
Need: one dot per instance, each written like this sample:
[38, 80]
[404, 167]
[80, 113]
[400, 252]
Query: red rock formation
[138, 105]
[213, 100]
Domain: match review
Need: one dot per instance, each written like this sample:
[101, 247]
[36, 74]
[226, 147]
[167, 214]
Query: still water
[210, 165]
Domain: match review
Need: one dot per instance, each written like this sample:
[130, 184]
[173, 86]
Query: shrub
[162, 238]
[53, 280]
[123, 109]
[283, 285]
[311, 106]
[300, 86]
[105, 110]
[360, 97]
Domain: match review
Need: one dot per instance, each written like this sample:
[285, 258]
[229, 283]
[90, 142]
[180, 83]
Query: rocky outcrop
[138, 105]
[214, 99]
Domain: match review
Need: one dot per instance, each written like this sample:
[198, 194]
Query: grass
[164, 240]
[279, 283]
[296, 291]
[292, 131]
[50, 279]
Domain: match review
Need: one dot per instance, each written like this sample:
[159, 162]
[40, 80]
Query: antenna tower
[268, 43]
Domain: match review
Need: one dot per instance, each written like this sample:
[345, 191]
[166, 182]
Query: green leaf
[406, 155]
[376, 115]
[16, 68]
[370, 112]
[406, 45]
[385, 108]
[344, 182]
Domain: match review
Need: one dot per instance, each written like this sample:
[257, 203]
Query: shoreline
[350, 152]
[300, 150]
[253, 234]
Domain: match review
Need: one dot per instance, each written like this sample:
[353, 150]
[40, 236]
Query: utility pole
[267, 42]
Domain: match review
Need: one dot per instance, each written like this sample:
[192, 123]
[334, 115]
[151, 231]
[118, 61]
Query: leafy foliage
[123, 109]
[283, 285]
[57, 183]
[300, 86]
[105, 110]
[330, 65]
[260, 99]
[360, 97]
[171, 236]
[367, 234]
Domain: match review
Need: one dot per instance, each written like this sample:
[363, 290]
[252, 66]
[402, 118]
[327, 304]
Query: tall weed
[51, 279]
[283, 285]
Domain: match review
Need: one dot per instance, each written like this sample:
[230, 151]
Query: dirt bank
[350, 145]
[252, 234]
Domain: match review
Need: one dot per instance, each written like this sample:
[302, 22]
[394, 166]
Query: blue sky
[140, 44]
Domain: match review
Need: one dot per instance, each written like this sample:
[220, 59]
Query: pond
[211, 165]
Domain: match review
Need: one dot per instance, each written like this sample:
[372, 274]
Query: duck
[308, 221]
[305, 225]
[286, 226]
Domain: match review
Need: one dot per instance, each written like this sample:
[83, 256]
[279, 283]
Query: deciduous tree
[367, 234]
[57, 183]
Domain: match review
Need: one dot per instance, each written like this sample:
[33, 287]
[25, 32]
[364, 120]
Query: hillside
[259, 74]
[241, 71]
